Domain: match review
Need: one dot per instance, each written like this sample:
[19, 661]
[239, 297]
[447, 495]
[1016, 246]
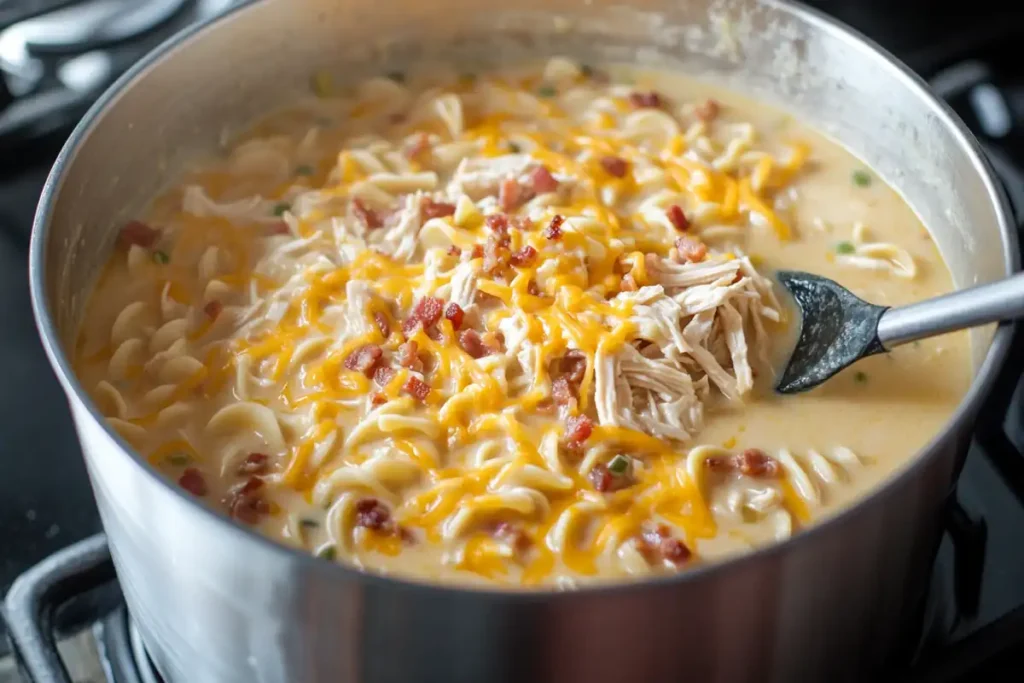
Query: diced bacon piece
[678, 219]
[472, 344]
[532, 288]
[427, 312]
[520, 222]
[454, 313]
[574, 365]
[378, 399]
[726, 464]
[255, 463]
[364, 358]
[674, 550]
[408, 356]
[382, 323]
[478, 251]
[754, 462]
[515, 537]
[249, 508]
[454, 251]
[250, 485]
[601, 478]
[562, 392]
[658, 544]
[212, 309]
[192, 481]
[137, 233]
[434, 334]
[496, 254]
[645, 100]
[510, 194]
[383, 375]
[542, 180]
[416, 388]
[406, 535]
[498, 224]
[370, 219]
[554, 230]
[373, 514]
[418, 145]
[432, 209]
[708, 111]
[614, 166]
[524, 257]
[578, 428]
[690, 249]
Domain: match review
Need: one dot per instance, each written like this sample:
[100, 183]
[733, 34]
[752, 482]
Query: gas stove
[57, 55]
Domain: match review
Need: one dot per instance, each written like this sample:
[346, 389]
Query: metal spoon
[837, 328]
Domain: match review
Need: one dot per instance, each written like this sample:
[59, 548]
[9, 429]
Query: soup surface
[514, 328]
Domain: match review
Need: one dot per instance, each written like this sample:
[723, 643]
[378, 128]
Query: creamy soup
[516, 328]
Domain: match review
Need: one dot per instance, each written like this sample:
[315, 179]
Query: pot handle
[35, 596]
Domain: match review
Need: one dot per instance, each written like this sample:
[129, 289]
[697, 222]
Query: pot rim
[980, 385]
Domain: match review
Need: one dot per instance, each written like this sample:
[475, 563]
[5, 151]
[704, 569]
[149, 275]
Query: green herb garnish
[397, 76]
[279, 209]
[619, 465]
[179, 459]
[306, 523]
[861, 178]
[304, 170]
[161, 257]
[328, 552]
[321, 84]
[546, 91]
[845, 248]
[860, 377]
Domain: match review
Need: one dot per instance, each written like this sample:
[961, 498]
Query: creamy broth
[597, 405]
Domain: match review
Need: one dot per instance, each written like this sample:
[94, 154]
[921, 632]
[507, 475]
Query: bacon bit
[708, 111]
[278, 228]
[754, 462]
[369, 218]
[578, 428]
[406, 536]
[255, 463]
[427, 312]
[137, 233]
[432, 209]
[454, 313]
[245, 504]
[615, 166]
[645, 100]
[658, 544]
[212, 309]
[532, 289]
[601, 478]
[364, 358]
[472, 344]
[478, 251]
[382, 323]
[248, 486]
[454, 251]
[678, 218]
[689, 249]
[510, 194]
[524, 257]
[434, 334]
[373, 514]
[727, 464]
[628, 283]
[418, 146]
[542, 180]
[562, 392]
[573, 365]
[378, 399]
[515, 537]
[674, 551]
[554, 230]
[520, 222]
[383, 375]
[416, 388]
[408, 356]
[192, 481]
[496, 254]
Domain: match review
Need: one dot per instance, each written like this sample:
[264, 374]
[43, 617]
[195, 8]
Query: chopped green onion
[279, 209]
[161, 257]
[860, 377]
[861, 178]
[397, 76]
[179, 459]
[321, 84]
[845, 248]
[546, 91]
[618, 465]
[306, 523]
[304, 170]
[328, 552]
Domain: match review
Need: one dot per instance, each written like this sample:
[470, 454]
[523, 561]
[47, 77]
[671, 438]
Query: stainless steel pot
[215, 602]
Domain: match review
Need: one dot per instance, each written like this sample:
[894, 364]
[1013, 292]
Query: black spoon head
[836, 330]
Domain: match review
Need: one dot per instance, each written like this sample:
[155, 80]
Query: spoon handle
[1002, 300]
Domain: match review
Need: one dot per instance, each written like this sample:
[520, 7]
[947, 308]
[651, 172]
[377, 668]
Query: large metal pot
[216, 602]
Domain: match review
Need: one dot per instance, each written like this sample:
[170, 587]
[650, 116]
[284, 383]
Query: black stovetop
[974, 621]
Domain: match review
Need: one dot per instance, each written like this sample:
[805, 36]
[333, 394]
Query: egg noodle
[482, 323]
